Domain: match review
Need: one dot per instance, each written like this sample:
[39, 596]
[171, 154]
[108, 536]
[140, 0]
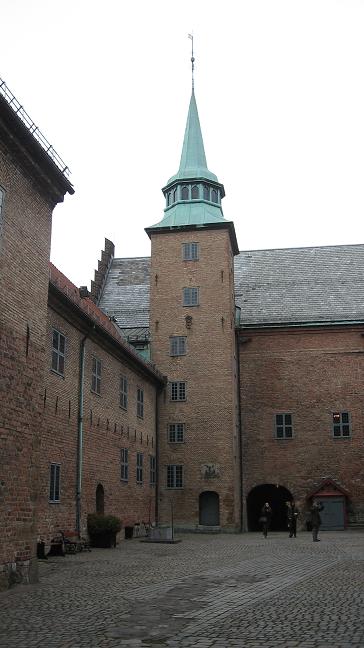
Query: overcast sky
[280, 93]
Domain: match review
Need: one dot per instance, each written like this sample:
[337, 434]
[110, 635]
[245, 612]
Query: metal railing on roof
[33, 129]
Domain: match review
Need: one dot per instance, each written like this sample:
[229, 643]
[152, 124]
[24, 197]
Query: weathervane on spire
[193, 63]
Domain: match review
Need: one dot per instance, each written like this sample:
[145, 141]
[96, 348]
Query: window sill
[95, 393]
[57, 373]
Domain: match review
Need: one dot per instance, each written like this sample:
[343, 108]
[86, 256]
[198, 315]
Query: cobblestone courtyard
[207, 591]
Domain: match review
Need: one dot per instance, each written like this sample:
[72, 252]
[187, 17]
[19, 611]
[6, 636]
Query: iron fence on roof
[33, 129]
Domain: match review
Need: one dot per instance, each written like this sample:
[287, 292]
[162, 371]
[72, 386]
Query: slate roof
[281, 286]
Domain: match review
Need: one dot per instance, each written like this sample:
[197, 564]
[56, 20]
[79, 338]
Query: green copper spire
[193, 159]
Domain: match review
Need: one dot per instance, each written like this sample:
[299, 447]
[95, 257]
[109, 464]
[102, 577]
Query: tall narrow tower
[193, 343]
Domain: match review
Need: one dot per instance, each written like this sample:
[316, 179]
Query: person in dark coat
[315, 519]
[265, 518]
[292, 515]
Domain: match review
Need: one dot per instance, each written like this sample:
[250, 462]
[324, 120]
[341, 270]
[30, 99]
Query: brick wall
[24, 256]
[107, 428]
[311, 374]
[208, 369]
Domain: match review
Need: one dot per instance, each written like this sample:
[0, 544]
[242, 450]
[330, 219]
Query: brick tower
[193, 343]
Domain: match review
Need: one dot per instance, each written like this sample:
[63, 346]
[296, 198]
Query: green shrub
[98, 524]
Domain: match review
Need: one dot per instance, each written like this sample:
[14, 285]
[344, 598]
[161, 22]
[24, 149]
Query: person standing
[265, 518]
[315, 519]
[292, 515]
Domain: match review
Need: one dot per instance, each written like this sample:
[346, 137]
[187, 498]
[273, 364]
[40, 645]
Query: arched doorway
[100, 499]
[277, 496]
[209, 509]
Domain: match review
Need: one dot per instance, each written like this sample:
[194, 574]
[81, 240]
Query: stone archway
[277, 496]
[100, 499]
[209, 509]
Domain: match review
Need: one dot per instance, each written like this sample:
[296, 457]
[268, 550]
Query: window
[284, 426]
[190, 297]
[190, 251]
[177, 345]
[152, 470]
[175, 476]
[54, 483]
[96, 376]
[178, 391]
[58, 352]
[185, 193]
[214, 196]
[140, 403]
[175, 195]
[195, 192]
[124, 392]
[341, 424]
[206, 192]
[176, 432]
[124, 464]
[139, 468]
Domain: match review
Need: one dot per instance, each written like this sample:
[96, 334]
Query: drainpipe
[240, 436]
[80, 433]
[156, 506]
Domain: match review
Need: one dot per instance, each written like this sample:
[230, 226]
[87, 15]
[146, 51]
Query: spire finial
[193, 63]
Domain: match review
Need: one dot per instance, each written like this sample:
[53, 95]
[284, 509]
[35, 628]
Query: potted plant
[102, 529]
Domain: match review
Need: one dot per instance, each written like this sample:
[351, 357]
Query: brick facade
[209, 412]
[311, 374]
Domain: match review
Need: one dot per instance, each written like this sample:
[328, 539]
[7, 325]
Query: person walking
[315, 519]
[292, 515]
[265, 518]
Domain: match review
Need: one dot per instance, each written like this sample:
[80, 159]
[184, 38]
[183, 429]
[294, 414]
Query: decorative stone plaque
[210, 471]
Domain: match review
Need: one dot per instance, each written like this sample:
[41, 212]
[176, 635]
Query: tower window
[123, 392]
[176, 432]
[175, 195]
[175, 476]
[177, 345]
[96, 376]
[169, 198]
[190, 251]
[341, 424]
[195, 193]
[284, 428]
[214, 196]
[58, 352]
[206, 192]
[190, 297]
[185, 193]
[178, 391]
[54, 483]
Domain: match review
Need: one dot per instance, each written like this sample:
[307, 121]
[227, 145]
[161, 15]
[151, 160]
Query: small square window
[341, 427]
[178, 391]
[54, 483]
[96, 376]
[177, 345]
[175, 476]
[190, 251]
[283, 426]
[176, 432]
[190, 296]
[58, 352]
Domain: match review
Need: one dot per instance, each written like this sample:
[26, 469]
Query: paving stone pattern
[220, 591]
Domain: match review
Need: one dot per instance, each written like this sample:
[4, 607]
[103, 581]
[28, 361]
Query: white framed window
[139, 468]
[190, 251]
[175, 476]
[283, 426]
[124, 392]
[124, 464]
[58, 352]
[55, 483]
[140, 403]
[177, 345]
[96, 375]
[178, 391]
[341, 427]
[152, 470]
[190, 296]
[176, 432]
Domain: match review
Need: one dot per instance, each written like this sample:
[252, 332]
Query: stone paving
[218, 591]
